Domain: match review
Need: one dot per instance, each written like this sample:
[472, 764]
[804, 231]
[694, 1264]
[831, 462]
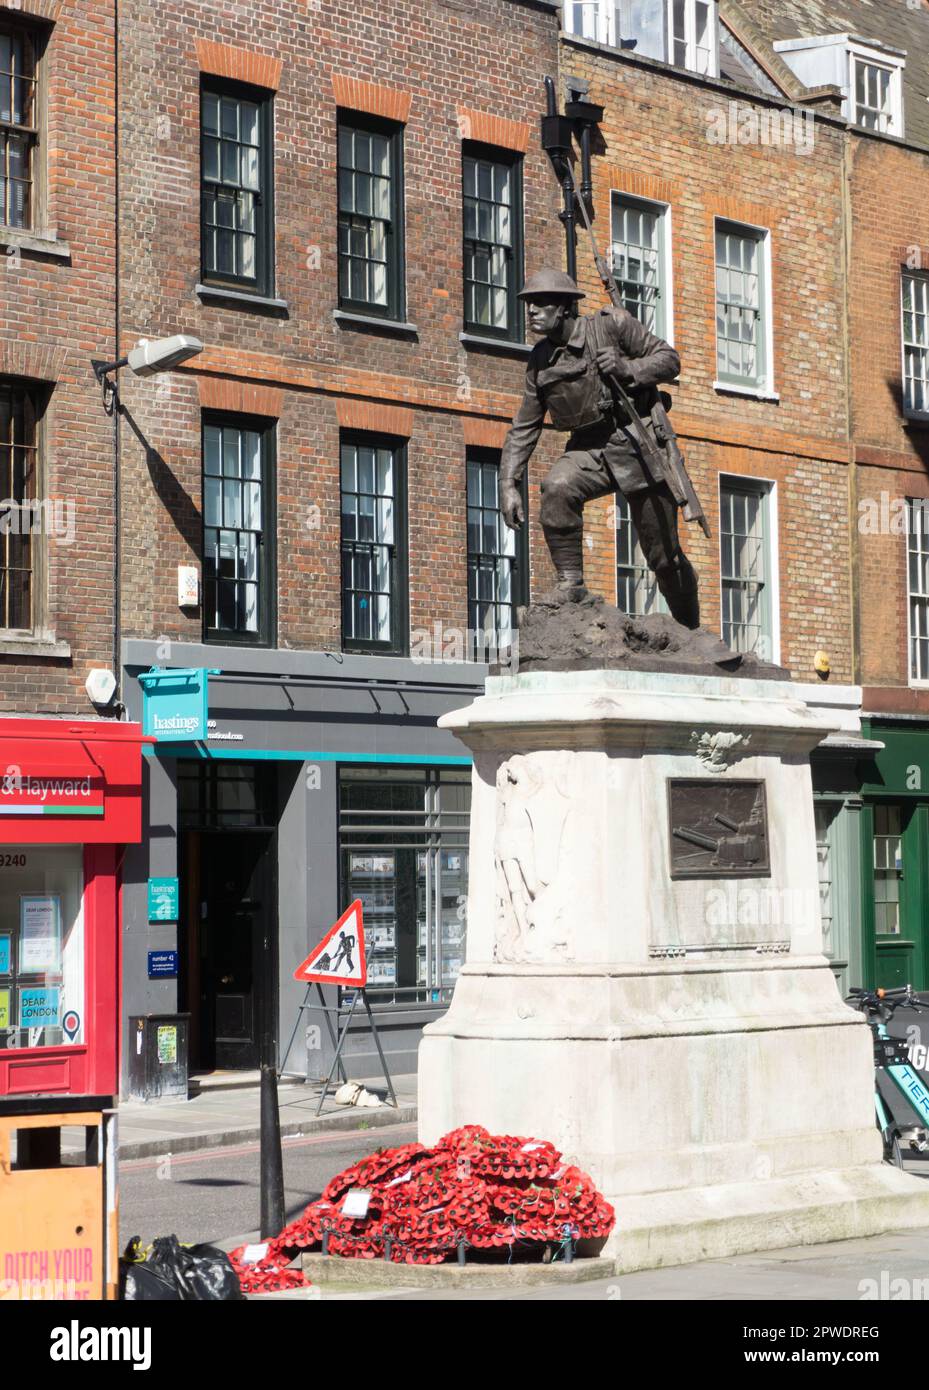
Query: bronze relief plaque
[718, 829]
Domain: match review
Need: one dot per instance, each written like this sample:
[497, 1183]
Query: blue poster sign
[162, 965]
[163, 899]
[40, 1008]
[174, 704]
[5, 963]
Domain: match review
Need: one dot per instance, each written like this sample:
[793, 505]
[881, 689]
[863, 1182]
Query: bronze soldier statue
[586, 372]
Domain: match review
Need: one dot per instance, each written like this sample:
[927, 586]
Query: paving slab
[217, 1118]
[886, 1268]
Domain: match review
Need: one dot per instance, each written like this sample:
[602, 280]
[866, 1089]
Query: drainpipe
[556, 142]
[118, 704]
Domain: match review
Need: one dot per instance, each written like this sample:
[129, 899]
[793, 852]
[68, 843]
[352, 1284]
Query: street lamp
[146, 359]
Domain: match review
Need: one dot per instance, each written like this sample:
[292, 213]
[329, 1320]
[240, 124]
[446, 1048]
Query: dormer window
[873, 95]
[693, 36]
[869, 73]
[681, 32]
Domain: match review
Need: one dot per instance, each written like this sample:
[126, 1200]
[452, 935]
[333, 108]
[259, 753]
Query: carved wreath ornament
[717, 751]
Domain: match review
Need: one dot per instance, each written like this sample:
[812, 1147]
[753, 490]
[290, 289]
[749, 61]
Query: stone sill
[23, 644]
[395, 327]
[215, 294]
[757, 393]
[502, 345]
[43, 245]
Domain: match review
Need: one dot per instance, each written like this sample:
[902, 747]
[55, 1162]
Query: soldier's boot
[677, 582]
[566, 549]
[685, 609]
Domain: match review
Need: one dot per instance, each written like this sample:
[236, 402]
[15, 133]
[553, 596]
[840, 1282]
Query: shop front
[70, 801]
[316, 781]
[895, 853]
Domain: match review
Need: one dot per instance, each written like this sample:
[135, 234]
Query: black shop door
[237, 947]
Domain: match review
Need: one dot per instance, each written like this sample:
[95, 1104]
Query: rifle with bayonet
[670, 463]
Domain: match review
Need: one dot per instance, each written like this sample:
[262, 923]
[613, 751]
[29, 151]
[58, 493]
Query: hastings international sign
[175, 704]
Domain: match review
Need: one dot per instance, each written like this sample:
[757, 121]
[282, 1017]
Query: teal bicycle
[891, 1056]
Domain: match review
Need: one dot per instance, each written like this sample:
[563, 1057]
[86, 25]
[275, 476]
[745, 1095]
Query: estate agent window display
[42, 984]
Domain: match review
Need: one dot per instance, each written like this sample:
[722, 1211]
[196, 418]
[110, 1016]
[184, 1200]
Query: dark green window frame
[487, 534]
[360, 497]
[21, 119]
[265, 567]
[229, 178]
[486, 173]
[370, 216]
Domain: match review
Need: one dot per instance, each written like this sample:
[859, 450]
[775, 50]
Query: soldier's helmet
[546, 284]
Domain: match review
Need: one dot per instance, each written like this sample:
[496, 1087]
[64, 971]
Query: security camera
[101, 687]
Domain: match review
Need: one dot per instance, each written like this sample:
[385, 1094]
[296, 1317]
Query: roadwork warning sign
[339, 959]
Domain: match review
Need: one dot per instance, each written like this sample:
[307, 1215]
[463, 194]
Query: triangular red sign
[342, 961]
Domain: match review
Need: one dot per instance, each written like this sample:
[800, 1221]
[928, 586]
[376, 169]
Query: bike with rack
[891, 1056]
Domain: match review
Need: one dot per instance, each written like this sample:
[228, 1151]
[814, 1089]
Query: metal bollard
[462, 1252]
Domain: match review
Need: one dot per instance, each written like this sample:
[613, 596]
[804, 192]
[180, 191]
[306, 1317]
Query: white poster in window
[40, 934]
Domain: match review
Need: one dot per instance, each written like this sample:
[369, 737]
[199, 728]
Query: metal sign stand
[337, 1059]
[337, 1062]
[324, 1008]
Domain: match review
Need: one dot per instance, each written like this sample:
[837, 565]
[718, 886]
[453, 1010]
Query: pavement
[226, 1114]
[885, 1268]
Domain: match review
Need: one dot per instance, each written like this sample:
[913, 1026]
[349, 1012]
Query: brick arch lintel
[32, 360]
[371, 97]
[489, 129]
[39, 9]
[239, 397]
[373, 417]
[239, 64]
[481, 433]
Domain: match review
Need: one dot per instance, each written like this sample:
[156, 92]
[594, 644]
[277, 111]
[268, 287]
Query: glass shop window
[42, 990]
[888, 869]
[404, 852]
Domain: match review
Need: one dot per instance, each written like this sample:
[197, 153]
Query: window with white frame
[637, 590]
[746, 568]
[693, 36]
[640, 260]
[742, 309]
[875, 89]
[682, 32]
[915, 302]
[869, 72]
[591, 19]
[873, 105]
[888, 868]
[918, 586]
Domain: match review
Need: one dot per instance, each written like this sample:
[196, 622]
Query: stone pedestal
[658, 1004]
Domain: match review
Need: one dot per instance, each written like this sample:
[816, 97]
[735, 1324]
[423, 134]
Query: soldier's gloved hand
[612, 363]
[511, 506]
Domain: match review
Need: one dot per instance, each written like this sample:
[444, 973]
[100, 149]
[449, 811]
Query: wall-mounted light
[146, 359]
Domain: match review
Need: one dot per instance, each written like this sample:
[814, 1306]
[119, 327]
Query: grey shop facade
[323, 778]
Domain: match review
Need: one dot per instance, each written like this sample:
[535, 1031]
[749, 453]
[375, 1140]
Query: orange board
[56, 1233]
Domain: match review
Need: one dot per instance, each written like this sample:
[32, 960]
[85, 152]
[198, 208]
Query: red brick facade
[655, 146]
[889, 231]
[57, 312]
[447, 72]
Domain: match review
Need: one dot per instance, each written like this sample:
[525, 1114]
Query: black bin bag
[188, 1273]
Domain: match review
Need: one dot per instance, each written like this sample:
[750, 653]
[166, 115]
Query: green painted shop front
[894, 859]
